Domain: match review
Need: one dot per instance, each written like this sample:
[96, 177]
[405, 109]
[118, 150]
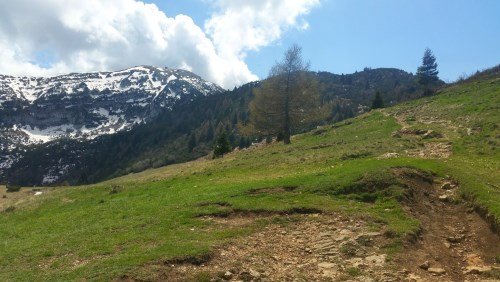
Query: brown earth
[454, 238]
[314, 247]
[455, 244]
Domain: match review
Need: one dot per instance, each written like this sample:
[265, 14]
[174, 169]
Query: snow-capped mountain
[37, 110]
[91, 104]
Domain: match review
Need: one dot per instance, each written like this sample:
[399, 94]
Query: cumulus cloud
[240, 25]
[58, 36]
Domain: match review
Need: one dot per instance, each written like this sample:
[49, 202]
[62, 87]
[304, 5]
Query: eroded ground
[455, 244]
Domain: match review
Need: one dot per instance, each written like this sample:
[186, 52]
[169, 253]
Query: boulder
[425, 265]
[455, 239]
[444, 198]
[477, 269]
[227, 275]
[436, 270]
[447, 186]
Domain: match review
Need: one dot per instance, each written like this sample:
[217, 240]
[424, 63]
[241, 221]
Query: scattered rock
[447, 186]
[436, 270]
[474, 259]
[357, 262]
[329, 273]
[326, 265]
[414, 278]
[254, 273]
[245, 276]
[477, 269]
[227, 275]
[376, 260]
[389, 156]
[425, 265]
[455, 239]
[432, 134]
[366, 239]
[444, 198]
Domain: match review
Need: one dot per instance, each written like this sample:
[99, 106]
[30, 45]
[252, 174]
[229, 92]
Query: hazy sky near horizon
[231, 42]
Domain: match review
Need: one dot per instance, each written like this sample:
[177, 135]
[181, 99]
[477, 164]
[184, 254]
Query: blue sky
[231, 42]
[347, 35]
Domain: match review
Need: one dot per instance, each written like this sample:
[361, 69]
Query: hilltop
[347, 200]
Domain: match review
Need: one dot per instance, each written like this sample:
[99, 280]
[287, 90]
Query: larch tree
[427, 73]
[288, 98]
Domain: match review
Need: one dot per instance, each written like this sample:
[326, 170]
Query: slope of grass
[107, 230]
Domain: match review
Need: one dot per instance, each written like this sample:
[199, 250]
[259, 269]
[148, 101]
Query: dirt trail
[314, 247]
[455, 244]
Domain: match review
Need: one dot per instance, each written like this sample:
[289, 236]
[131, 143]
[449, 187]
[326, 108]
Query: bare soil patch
[314, 247]
[455, 243]
[433, 150]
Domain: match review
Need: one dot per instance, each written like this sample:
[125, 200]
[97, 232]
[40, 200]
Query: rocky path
[316, 247]
[455, 244]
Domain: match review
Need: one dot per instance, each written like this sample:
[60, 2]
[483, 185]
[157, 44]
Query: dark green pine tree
[210, 133]
[243, 143]
[222, 146]
[377, 103]
[191, 142]
[248, 142]
[427, 73]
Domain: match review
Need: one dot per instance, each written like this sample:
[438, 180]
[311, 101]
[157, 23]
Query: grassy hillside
[117, 227]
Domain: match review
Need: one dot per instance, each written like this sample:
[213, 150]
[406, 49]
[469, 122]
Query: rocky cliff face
[91, 104]
[36, 110]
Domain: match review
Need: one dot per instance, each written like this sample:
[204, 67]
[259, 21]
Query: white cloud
[94, 35]
[240, 25]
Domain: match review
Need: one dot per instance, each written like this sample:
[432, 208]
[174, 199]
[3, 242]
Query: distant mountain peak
[147, 79]
[87, 105]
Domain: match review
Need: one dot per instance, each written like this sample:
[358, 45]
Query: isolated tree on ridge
[377, 103]
[287, 98]
[427, 73]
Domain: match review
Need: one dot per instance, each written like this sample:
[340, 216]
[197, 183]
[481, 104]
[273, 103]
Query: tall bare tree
[288, 98]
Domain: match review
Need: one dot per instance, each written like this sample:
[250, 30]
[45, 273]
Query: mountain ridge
[86, 105]
[162, 132]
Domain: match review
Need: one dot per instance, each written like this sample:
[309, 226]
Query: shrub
[13, 188]
[353, 271]
[355, 155]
